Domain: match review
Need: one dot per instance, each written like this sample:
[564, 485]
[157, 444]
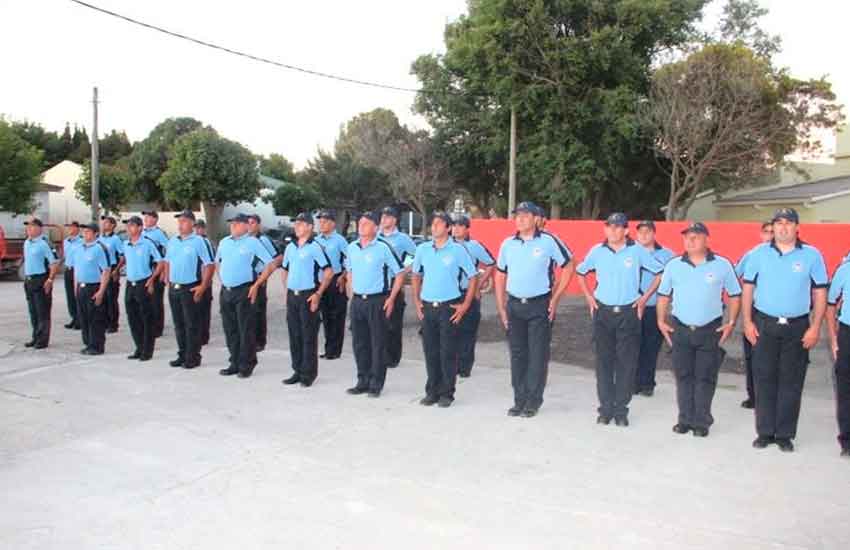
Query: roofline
[796, 200]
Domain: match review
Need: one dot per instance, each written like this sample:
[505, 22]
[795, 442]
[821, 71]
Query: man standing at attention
[144, 266]
[334, 304]
[69, 244]
[375, 278]
[405, 249]
[91, 275]
[650, 336]
[784, 302]
[616, 306]
[527, 298]
[115, 248]
[40, 268]
[255, 229]
[206, 301]
[160, 238]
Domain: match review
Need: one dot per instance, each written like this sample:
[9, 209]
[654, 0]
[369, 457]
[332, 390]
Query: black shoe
[622, 421]
[30, 344]
[357, 390]
[392, 366]
[748, 404]
[516, 410]
[294, 379]
[136, 355]
[261, 348]
[95, 352]
[464, 374]
[306, 383]
[111, 330]
[77, 326]
[785, 445]
[845, 452]
[246, 373]
[700, 432]
[681, 428]
[603, 419]
[323, 355]
[374, 393]
[84, 351]
[428, 400]
[330, 357]
[40, 346]
[762, 441]
[647, 392]
[191, 365]
[528, 412]
[144, 358]
[176, 363]
[70, 325]
[230, 371]
[445, 402]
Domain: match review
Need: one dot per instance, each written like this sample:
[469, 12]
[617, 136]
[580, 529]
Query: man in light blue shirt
[784, 301]
[486, 264]
[255, 229]
[40, 268]
[405, 249]
[838, 322]
[696, 281]
[766, 235]
[144, 267]
[237, 257]
[91, 277]
[114, 247]
[527, 297]
[160, 237]
[207, 299]
[375, 277]
[438, 268]
[616, 306]
[189, 275]
[650, 337]
[69, 244]
[335, 301]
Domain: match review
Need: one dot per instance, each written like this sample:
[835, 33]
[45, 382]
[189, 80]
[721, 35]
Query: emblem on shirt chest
[368, 258]
[629, 262]
[797, 267]
[537, 252]
[243, 250]
[90, 257]
[447, 261]
[710, 278]
[302, 254]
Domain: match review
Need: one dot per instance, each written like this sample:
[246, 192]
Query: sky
[55, 51]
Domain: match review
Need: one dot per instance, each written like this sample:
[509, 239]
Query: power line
[250, 56]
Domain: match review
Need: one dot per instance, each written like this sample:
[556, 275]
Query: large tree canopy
[20, 171]
[115, 187]
[278, 167]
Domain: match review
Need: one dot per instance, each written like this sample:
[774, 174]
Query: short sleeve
[751, 267]
[483, 255]
[556, 253]
[286, 254]
[820, 278]
[346, 260]
[589, 263]
[502, 262]
[157, 257]
[102, 259]
[119, 247]
[648, 261]
[203, 251]
[391, 260]
[666, 287]
[321, 256]
[466, 263]
[742, 265]
[731, 283]
[50, 255]
[836, 289]
[417, 262]
[217, 252]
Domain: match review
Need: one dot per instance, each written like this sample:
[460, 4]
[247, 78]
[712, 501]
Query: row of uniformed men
[777, 319]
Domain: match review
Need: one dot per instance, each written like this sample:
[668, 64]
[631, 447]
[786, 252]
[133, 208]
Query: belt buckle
[363, 296]
[617, 309]
[176, 286]
[296, 293]
[435, 304]
[782, 320]
[82, 285]
[692, 327]
[132, 283]
[523, 300]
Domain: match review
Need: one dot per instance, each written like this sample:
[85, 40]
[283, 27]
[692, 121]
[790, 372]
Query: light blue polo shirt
[68, 247]
[741, 266]
[697, 290]
[480, 256]
[784, 282]
[114, 247]
[442, 270]
[237, 259]
[304, 264]
[185, 257]
[618, 273]
[663, 255]
[38, 257]
[90, 260]
[270, 248]
[372, 267]
[158, 236]
[565, 250]
[530, 264]
[837, 290]
[140, 257]
[335, 247]
[402, 245]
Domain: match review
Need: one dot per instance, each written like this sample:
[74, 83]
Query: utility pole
[95, 164]
[512, 166]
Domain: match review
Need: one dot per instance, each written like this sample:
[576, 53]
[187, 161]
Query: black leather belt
[782, 320]
[84, 285]
[693, 328]
[179, 286]
[305, 292]
[367, 296]
[36, 277]
[614, 309]
[436, 305]
[139, 282]
[237, 287]
[529, 300]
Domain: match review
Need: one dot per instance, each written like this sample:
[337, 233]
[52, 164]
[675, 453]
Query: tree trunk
[215, 225]
[586, 207]
[555, 203]
[597, 204]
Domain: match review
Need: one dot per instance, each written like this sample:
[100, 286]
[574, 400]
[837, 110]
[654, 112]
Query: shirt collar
[392, 233]
[629, 242]
[797, 245]
[187, 237]
[537, 233]
[434, 244]
[709, 257]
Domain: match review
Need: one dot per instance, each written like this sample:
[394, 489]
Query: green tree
[115, 187]
[114, 146]
[150, 156]
[292, 198]
[278, 167]
[207, 168]
[20, 171]
[81, 146]
[48, 142]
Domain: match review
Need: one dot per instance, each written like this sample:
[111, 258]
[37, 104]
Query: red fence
[730, 239]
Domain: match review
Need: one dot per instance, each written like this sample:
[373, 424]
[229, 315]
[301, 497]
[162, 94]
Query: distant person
[838, 322]
[261, 303]
[784, 302]
[115, 248]
[650, 336]
[160, 237]
[616, 306]
[403, 247]
[40, 268]
[695, 282]
[91, 276]
[334, 304]
[144, 267]
[206, 301]
[766, 236]
[69, 244]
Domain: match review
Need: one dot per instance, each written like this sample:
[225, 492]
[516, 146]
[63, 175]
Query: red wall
[730, 239]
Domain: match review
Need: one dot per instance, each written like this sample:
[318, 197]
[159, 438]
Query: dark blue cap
[305, 217]
[188, 214]
[527, 206]
[461, 219]
[240, 218]
[34, 221]
[200, 223]
[93, 226]
[649, 224]
[390, 211]
[135, 220]
[255, 217]
[109, 219]
[326, 214]
[442, 215]
[786, 214]
[696, 227]
[73, 224]
[617, 218]
[372, 216]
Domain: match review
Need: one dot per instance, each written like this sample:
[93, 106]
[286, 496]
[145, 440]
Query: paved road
[107, 453]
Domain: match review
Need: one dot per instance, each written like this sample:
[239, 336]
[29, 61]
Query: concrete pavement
[109, 453]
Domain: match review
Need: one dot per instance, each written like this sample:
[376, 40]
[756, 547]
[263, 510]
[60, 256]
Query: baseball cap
[153, 213]
[305, 217]
[238, 218]
[91, 225]
[34, 221]
[73, 224]
[390, 211]
[188, 214]
[372, 216]
[786, 214]
[326, 214]
[441, 215]
[255, 217]
[617, 218]
[109, 219]
[696, 227]
[461, 219]
[200, 223]
[527, 206]
[649, 224]
[136, 220]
